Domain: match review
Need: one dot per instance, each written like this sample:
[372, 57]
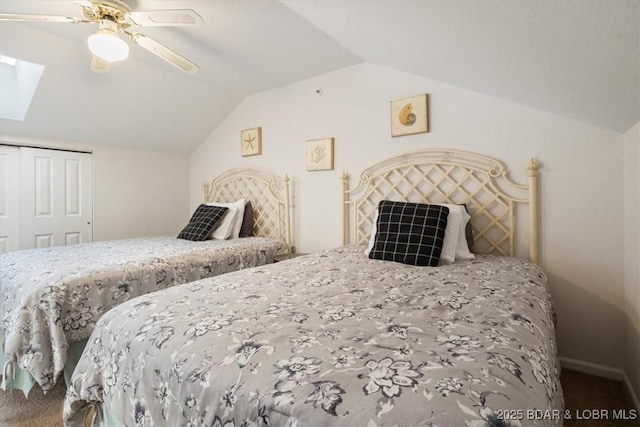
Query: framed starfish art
[251, 142]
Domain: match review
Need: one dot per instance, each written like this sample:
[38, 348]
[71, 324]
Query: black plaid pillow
[410, 233]
[202, 222]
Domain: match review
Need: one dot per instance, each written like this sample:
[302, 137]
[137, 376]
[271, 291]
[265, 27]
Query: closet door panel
[9, 198]
[56, 207]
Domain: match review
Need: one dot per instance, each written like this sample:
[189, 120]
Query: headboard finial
[533, 167]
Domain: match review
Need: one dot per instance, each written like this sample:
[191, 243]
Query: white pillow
[462, 250]
[374, 230]
[231, 222]
[448, 254]
[455, 245]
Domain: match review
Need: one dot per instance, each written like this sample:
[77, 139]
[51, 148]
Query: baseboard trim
[602, 371]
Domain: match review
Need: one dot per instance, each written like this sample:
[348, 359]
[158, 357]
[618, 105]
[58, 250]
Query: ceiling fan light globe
[108, 47]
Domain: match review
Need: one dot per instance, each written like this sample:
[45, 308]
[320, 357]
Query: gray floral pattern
[52, 297]
[329, 339]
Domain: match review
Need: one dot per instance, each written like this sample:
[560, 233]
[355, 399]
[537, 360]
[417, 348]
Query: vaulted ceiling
[577, 59]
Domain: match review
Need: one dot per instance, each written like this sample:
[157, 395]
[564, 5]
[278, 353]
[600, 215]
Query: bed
[53, 297]
[339, 339]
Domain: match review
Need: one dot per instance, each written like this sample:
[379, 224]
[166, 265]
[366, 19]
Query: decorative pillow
[410, 233]
[456, 240]
[246, 229]
[468, 231]
[203, 220]
[229, 228]
[448, 255]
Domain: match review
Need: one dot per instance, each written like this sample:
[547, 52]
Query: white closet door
[56, 202]
[9, 198]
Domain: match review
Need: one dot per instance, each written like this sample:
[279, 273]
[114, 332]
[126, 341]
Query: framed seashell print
[410, 115]
[320, 154]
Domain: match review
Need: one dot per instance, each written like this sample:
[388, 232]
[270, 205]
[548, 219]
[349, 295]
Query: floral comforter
[54, 296]
[330, 339]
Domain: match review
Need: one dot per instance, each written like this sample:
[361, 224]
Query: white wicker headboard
[446, 176]
[269, 196]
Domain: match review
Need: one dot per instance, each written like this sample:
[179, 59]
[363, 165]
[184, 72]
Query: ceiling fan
[113, 16]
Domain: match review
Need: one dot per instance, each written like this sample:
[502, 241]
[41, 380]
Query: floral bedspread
[54, 296]
[330, 339]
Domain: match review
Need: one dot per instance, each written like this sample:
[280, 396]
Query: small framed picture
[251, 142]
[320, 154]
[410, 115]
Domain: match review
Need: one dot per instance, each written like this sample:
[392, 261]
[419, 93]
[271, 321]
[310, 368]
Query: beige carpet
[39, 410]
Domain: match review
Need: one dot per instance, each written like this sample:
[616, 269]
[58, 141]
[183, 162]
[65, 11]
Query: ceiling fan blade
[99, 65]
[40, 18]
[164, 52]
[167, 18]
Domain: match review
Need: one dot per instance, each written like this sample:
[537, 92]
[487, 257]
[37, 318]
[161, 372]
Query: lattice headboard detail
[269, 196]
[446, 176]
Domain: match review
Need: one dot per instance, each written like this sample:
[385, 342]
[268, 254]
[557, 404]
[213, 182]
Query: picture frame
[410, 115]
[251, 142]
[319, 154]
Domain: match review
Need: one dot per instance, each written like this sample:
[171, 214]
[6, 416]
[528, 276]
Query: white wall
[139, 193]
[135, 193]
[632, 254]
[582, 179]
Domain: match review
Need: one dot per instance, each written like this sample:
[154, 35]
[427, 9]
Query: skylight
[18, 82]
[8, 60]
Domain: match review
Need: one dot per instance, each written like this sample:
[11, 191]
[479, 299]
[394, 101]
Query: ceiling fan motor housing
[113, 10]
